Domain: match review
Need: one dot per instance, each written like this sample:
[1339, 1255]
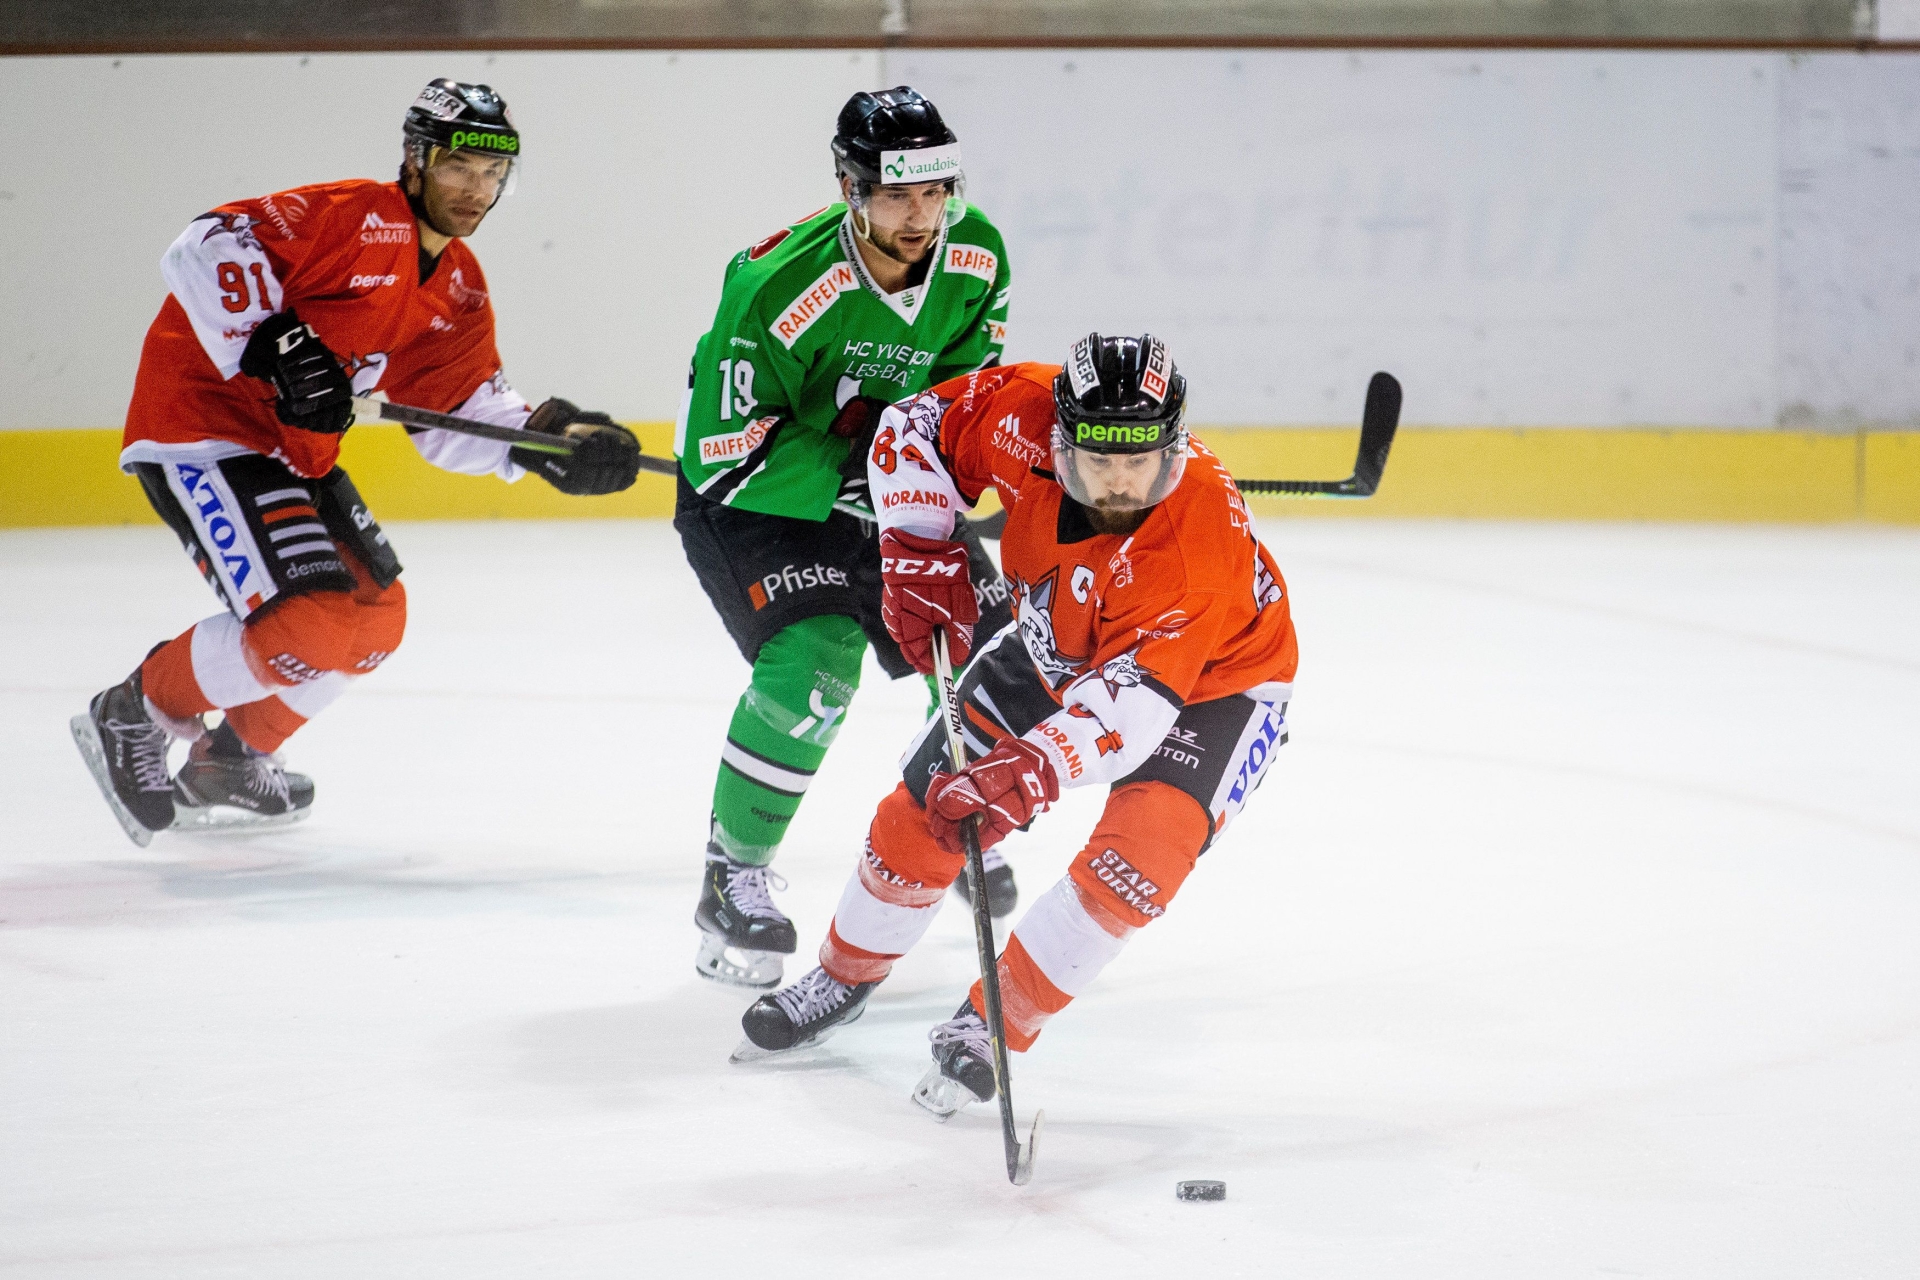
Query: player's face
[461, 186]
[1119, 481]
[906, 220]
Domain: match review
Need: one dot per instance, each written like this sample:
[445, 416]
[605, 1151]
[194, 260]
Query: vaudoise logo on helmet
[928, 164]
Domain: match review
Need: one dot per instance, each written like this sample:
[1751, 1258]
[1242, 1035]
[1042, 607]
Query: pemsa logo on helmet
[928, 164]
[466, 138]
[1097, 433]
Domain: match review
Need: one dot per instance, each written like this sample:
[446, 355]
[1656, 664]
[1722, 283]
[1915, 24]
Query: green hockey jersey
[801, 330]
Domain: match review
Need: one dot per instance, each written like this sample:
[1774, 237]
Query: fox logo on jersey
[1036, 632]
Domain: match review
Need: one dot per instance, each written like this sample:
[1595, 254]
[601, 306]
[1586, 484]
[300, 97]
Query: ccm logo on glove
[925, 586]
[901, 567]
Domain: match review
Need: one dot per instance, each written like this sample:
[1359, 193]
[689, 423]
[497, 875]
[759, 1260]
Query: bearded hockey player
[1153, 655]
[900, 285]
[281, 310]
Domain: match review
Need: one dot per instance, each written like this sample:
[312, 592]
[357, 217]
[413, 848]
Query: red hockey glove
[1006, 787]
[926, 585]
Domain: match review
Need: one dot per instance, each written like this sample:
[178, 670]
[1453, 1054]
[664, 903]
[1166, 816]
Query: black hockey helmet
[461, 117]
[1119, 396]
[877, 132]
[896, 138]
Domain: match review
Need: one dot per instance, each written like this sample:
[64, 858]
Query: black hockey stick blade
[1377, 426]
[370, 409]
[1019, 1155]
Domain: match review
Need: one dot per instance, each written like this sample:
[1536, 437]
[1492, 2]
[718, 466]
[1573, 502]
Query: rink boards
[71, 477]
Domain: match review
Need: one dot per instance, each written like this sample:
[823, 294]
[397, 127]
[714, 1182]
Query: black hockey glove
[605, 459]
[311, 390]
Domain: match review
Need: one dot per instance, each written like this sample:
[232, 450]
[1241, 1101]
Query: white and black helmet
[1119, 396]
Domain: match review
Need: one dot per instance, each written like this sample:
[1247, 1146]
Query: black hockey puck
[1201, 1189]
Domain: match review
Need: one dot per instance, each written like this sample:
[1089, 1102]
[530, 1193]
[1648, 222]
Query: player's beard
[1119, 521]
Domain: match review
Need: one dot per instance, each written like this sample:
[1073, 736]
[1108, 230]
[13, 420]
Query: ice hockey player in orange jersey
[1152, 653]
[280, 311]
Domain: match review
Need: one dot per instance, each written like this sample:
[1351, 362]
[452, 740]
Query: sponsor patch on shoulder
[800, 314]
[972, 260]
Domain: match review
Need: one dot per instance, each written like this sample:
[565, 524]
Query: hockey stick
[1377, 425]
[1019, 1155]
[370, 409]
[1380, 421]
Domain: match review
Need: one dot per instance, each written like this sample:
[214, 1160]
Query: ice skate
[228, 788]
[801, 1016]
[962, 1070]
[742, 934]
[126, 751]
[1002, 894]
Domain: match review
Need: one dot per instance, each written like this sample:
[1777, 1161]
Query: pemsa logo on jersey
[1096, 433]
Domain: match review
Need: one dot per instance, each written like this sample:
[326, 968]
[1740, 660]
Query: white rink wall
[1528, 238]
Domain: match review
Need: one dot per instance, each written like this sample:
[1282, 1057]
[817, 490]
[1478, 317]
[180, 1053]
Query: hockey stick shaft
[368, 409]
[1019, 1161]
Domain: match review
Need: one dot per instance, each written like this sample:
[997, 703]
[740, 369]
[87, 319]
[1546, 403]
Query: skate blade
[225, 820]
[942, 1096]
[735, 966]
[751, 1052]
[87, 737]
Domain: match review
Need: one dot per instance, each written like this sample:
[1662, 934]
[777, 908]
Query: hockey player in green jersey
[899, 285]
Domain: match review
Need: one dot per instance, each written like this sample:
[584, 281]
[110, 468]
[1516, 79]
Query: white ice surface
[1576, 933]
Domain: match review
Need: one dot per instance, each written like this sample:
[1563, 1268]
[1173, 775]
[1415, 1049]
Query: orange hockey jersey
[346, 257]
[1124, 631]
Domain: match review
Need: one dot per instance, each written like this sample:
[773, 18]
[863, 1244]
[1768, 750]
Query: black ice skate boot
[227, 786]
[801, 1016]
[962, 1069]
[742, 934]
[1002, 894]
[126, 751]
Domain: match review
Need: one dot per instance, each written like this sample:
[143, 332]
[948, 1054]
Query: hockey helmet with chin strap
[1118, 396]
[896, 138]
[449, 116]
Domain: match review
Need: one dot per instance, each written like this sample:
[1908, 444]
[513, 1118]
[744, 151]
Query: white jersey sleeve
[1109, 723]
[219, 273]
[912, 490]
[495, 402]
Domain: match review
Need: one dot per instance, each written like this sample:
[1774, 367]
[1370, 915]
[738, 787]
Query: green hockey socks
[803, 682]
